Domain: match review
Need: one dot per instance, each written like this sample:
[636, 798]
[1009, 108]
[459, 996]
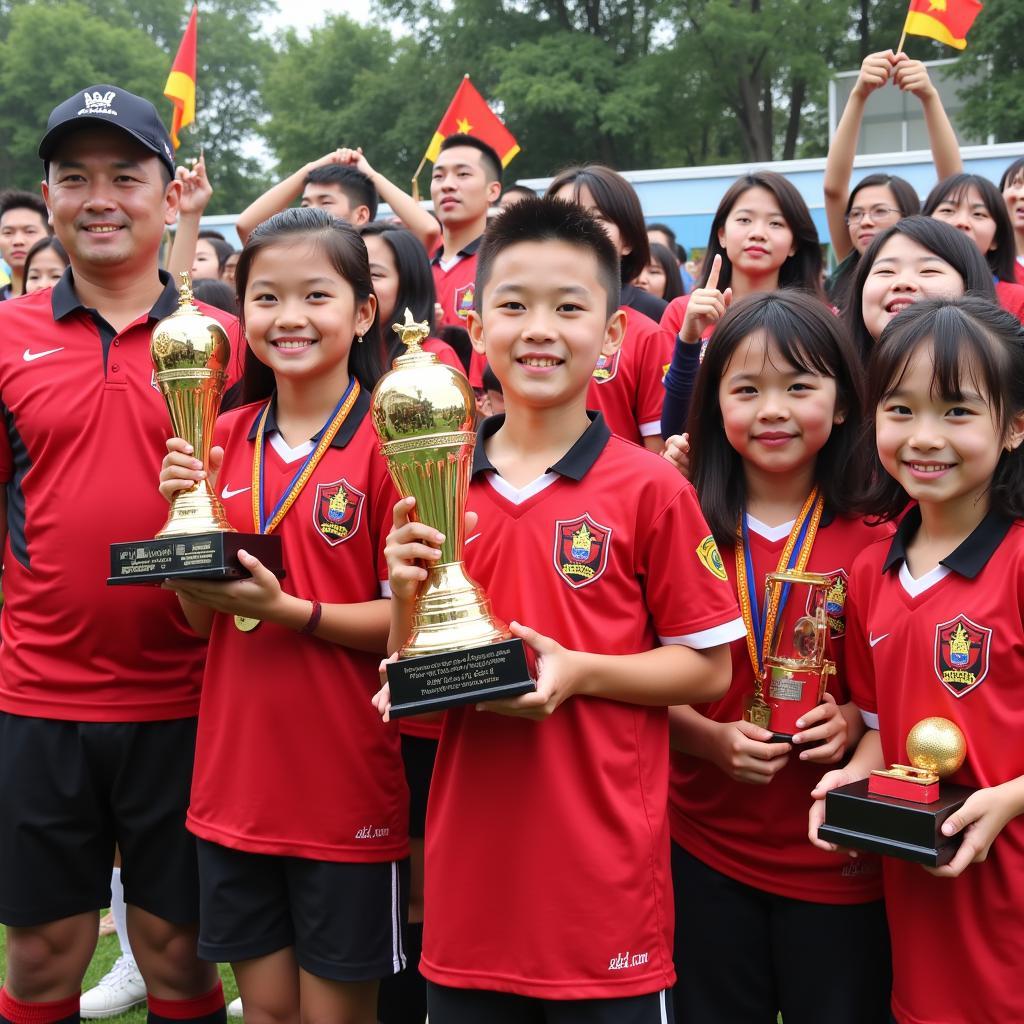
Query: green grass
[106, 953]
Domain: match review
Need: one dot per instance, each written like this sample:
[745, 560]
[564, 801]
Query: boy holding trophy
[560, 794]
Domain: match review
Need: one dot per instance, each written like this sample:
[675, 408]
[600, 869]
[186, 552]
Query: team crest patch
[835, 601]
[711, 558]
[581, 550]
[607, 367]
[464, 299]
[961, 654]
[338, 511]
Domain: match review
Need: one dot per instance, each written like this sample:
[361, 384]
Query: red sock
[207, 1009]
[61, 1011]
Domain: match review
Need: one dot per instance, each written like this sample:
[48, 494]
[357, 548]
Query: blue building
[685, 198]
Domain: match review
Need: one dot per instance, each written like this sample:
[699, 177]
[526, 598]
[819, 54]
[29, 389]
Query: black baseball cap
[107, 104]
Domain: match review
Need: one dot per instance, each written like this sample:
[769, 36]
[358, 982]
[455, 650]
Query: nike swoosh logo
[872, 640]
[28, 355]
[225, 494]
[469, 540]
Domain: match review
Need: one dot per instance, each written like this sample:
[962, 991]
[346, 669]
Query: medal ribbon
[267, 524]
[795, 555]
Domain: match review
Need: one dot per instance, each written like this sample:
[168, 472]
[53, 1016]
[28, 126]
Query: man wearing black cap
[99, 687]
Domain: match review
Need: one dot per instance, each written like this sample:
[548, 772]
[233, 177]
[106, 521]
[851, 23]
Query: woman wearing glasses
[879, 200]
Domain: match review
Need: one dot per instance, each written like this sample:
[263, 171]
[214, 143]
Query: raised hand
[876, 70]
[706, 307]
[196, 190]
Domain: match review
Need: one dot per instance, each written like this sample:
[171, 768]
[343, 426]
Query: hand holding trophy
[458, 652]
[899, 812]
[190, 353]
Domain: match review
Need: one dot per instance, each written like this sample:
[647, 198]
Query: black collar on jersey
[969, 558]
[466, 250]
[574, 463]
[65, 300]
[345, 433]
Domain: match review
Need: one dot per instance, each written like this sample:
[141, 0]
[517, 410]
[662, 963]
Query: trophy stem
[452, 614]
[197, 510]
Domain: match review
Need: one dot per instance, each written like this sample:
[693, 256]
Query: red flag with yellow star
[468, 114]
[181, 82]
[944, 20]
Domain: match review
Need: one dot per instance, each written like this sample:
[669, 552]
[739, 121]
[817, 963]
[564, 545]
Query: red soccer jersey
[628, 388]
[758, 834]
[291, 756]
[84, 432]
[949, 644]
[1011, 298]
[547, 869]
[456, 292]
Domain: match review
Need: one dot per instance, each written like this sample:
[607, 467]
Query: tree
[131, 43]
[33, 77]
[995, 103]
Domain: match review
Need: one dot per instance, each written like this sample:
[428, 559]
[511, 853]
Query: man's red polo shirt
[83, 434]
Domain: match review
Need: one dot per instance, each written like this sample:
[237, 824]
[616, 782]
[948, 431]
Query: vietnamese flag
[945, 20]
[181, 82]
[468, 114]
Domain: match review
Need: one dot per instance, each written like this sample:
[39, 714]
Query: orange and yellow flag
[468, 114]
[944, 20]
[181, 82]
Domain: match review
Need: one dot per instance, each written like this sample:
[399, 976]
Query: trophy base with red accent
[897, 813]
[200, 556]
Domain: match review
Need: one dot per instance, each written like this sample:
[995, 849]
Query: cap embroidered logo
[99, 103]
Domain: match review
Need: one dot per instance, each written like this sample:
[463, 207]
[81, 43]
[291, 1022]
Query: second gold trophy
[458, 652]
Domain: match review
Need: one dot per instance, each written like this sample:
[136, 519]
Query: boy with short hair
[23, 221]
[547, 841]
[344, 184]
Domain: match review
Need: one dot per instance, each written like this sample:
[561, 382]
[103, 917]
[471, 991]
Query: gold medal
[244, 624]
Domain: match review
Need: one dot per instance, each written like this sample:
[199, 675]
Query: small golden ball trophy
[899, 812]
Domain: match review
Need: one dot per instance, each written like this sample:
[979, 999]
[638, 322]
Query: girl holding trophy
[935, 629]
[766, 923]
[298, 800]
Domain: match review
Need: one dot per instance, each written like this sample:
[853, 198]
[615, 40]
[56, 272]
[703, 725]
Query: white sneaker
[118, 990]
[235, 1007]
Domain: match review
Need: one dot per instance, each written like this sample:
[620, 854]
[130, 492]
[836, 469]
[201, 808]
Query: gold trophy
[457, 652]
[899, 812]
[190, 353]
[797, 667]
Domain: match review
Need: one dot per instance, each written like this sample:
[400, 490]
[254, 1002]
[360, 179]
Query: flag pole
[903, 39]
[416, 179]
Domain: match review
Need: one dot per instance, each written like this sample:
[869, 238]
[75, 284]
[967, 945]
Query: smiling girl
[934, 629]
[917, 258]
[298, 798]
[775, 424]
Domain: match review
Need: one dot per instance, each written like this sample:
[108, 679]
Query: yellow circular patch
[711, 558]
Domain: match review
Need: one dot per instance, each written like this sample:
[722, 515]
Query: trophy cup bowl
[899, 811]
[190, 353]
[797, 667]
[457, 652]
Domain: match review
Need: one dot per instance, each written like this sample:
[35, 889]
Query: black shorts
[473, 1006]
[345, 921]
[69, 791]
[743, 955]
[418, 756]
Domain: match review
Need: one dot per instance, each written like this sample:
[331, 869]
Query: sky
[303, 16]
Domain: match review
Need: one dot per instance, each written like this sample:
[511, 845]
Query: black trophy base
[439, 681]
[893, 827]
[202, 556]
